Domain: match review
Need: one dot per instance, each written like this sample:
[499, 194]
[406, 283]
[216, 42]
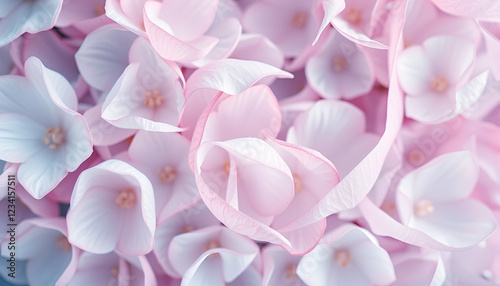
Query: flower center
[187, 229]
[423, 208]
[115, 271]
[343, 258]
[299, 19]
[63, 244]
[211, 245]
[353, 16]
[291, 272]
[439, 84]
[339, 63]
[167, 174]
[416, 157]
[406, 43]
[227, 167]
[153, 99]
[388, 207]
[297, 183]
[99, 10]
[125, 199]
[53, 137]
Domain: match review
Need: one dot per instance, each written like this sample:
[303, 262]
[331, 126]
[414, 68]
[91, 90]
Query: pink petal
[53, 51]
[235, 253]
[365, 174]
[456, 171]
[348, 78]
[127, 13]
[103, 133]
[231, 76]
[93, 223]
[151, 152]
[483, 9]
[230, 118]
[38, 177]
[414, 70]
[304, 239]
[21, 137]
[443, 52]
[161, 37]
[124, 106]
[332, 8]
[191, 219]
[275, 19]
[357, 31]
[276, 264]
[314, 176]
[331, 127]
[222, 209]
[94, 269]
[51, 83]
[228, 32]
[74, 11]
[258, 48]
[383, 224]
[181, 14]
[94, 196]
[429, 108]
[43, 208]
[263, 196]
[103, 56]
[461, 224]
[193, 109]
[415, 272]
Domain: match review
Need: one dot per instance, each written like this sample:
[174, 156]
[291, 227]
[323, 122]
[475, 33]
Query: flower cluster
[250, 142]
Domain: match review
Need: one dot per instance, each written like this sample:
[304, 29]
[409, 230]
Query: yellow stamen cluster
[343, 258]
[54, 137]
[153, 99]
[299, 19]
[167, 174]
[125, 199]
[353, 16]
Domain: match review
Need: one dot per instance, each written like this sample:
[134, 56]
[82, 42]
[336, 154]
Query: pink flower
[40, 128]
[267, 184]
[188, 31]
[349, 255]
[280, 267]
[337, 130]
[434, 200]
[432, 74]
[339, 70]
[148, 95]
[162, 157]
[291, 25]
[214, 254]
[112, 269]
[112, 207]
[191, 219]
[355, 20]
[104, 55]
[419, 269]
